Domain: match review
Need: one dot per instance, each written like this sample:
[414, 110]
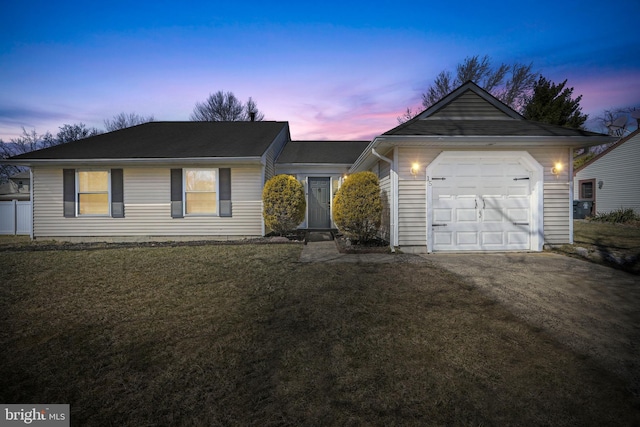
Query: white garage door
[480, 204]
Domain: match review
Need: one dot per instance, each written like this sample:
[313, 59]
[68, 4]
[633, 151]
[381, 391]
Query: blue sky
[334, 70]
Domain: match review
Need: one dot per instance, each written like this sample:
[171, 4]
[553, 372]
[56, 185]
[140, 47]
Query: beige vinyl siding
[272, 154]
[470, 106]
[619, 171]
[148, 207]
[412, 201]
[412, 193]
[557, 203]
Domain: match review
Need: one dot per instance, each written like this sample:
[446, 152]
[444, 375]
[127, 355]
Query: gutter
[392, 204]
[135, 161]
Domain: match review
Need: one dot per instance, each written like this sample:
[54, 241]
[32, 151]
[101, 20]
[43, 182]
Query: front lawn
[247, 335]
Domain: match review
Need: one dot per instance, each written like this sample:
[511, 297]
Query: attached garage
[471, 174]
[479, 201]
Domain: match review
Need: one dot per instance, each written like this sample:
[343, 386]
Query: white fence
[15, 217]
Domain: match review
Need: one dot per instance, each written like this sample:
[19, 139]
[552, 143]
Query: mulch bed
[348, 246]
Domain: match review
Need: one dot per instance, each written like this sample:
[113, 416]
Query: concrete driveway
[593, 309]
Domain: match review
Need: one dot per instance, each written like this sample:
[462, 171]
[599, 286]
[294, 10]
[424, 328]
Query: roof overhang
[137, 161]
[386, 142]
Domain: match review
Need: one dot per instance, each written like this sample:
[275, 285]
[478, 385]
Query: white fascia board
[523, 142]
[313, 165]
[138, 161]
[500, 141]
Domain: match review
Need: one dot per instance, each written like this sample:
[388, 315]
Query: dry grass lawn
[246, 335]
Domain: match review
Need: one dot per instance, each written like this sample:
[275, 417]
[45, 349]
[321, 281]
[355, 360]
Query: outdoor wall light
[556, 169]
[600, 184]
[415, 167]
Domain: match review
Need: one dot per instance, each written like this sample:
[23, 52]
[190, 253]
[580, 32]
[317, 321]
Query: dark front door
[319, 203]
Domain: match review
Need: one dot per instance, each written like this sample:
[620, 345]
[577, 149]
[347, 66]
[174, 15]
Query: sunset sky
[334, 70]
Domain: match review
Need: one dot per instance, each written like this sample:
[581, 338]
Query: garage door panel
[443, 239]
[490, 238]
[442, 215]
[493, 215]
[518, 238]
[466, 215]
[469, 170]
[518, 215]
[466, 238]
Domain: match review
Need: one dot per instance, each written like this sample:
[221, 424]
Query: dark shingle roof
[507, 127]
[337, 152]
[162, 140]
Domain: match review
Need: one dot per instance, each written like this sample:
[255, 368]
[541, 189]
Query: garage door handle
[438, 225]
[520, 223]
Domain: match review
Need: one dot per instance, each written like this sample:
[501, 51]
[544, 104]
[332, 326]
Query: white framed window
[92, 192]
[201, 191]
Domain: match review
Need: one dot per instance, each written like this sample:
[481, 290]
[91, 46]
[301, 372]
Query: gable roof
[471, 111]
[472, 117]
[322, 152]
[612, 147]
[169, 140]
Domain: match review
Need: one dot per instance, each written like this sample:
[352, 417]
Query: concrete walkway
[321, 248]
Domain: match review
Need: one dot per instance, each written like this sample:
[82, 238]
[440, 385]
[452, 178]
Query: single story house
[469, 173]
[167, 180]
[611, 180]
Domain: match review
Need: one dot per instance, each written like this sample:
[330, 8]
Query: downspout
[571, 189]
[31, 233]
[392, 213]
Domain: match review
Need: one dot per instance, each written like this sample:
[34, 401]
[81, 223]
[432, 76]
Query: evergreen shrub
[357, 206]
[283, 203]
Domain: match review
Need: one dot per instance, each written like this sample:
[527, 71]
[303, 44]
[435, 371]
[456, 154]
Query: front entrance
[482, 202]
[319, 203]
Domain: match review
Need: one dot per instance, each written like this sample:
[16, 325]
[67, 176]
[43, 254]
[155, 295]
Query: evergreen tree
[553, 104]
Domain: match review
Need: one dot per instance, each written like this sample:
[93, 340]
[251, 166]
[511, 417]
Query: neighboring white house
[611, 180]
[467, 174]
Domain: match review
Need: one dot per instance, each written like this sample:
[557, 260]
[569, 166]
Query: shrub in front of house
[357, 206]
[618, 216]
[284, 203]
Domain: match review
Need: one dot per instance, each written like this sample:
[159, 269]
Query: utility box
[582, 208]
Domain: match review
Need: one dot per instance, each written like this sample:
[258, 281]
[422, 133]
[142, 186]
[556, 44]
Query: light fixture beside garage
[556, 169]
[415, 167]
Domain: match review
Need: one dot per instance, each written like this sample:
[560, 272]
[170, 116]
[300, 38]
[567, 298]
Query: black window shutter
[224, 175]
[117, 193]
[176, 193]
[69, 192]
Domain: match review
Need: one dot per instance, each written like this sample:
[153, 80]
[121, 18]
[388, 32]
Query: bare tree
[510, 84]
[125, 120]
[612, 121]
[31, 141]
[225, 107]
[252, 108]
[73, 132]
[28, 141]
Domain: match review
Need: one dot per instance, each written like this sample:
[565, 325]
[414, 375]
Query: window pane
[93, 181]
[200, 180]
[93, 204]
[198, 203]
[587, 190]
